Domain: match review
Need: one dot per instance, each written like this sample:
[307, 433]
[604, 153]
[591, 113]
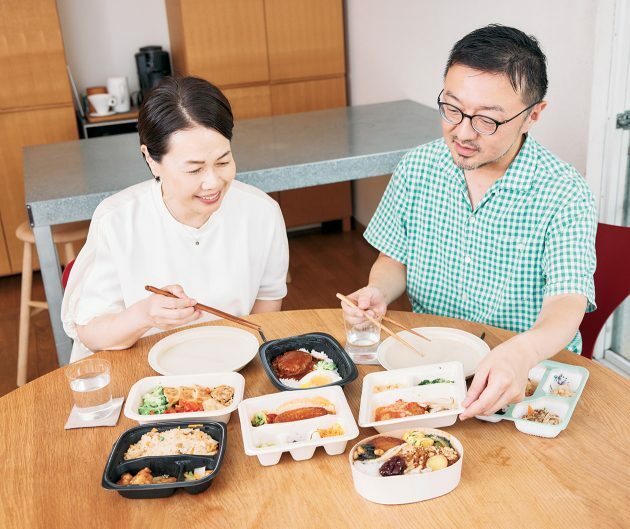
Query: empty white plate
[203, 350]
[446, 345]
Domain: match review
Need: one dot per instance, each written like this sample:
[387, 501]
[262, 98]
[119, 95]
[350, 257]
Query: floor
[330, 260]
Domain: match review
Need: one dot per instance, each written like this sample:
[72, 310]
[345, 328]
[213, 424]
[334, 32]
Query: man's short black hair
[509, 51]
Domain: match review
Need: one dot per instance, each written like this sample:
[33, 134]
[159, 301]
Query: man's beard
[465, 165]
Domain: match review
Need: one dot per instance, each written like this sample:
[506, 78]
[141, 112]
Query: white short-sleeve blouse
[239, 255]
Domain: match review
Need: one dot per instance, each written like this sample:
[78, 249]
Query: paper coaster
[75, 421]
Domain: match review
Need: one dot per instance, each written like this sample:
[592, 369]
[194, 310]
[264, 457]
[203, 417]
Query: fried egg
[317, 378]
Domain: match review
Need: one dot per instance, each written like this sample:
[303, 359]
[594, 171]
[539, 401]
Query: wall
[101, 37]
[397, 50]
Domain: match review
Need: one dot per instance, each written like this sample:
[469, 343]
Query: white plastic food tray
[409, 390]
[269, 441]
[144, 385]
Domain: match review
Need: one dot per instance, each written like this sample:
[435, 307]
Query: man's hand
[369, 299]
[501, 377]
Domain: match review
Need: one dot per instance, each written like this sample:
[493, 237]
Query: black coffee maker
[153, 64]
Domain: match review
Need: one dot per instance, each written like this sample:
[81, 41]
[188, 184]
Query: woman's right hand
[369, 299]
[165, 312]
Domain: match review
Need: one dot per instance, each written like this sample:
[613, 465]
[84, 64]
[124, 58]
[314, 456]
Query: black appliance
[153, 64]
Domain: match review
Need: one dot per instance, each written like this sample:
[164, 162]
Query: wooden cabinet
[270, 57]
[35, 106]
[220, 40]
[305, 38]
[32, 59]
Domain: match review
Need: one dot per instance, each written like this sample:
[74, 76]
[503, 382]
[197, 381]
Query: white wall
[101, 37]
[398, 49]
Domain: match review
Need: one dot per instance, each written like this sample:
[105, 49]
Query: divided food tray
[550, 380]
[144, 385]
[300, 438]
[173, 465]
[418, 384]
[314, 341]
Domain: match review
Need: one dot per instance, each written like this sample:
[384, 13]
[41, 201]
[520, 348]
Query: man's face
[475, 92]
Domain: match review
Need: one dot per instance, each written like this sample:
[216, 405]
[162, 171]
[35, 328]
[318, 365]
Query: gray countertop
[64, 182]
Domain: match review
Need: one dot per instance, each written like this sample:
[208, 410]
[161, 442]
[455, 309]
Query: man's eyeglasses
[482, 124]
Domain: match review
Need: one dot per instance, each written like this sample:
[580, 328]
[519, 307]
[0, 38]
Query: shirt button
[468, 259]
[464, 296]
[472, 219]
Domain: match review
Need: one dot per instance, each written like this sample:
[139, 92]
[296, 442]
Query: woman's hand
[167, 313]
[369, 299]
[501, 377]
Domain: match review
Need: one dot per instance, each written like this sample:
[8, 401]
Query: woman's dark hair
[509, 51]
[176, 104]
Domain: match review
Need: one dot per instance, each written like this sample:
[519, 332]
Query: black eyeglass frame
[496, 123]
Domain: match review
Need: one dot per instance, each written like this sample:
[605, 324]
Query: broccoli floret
[153, 402]
[328, 365]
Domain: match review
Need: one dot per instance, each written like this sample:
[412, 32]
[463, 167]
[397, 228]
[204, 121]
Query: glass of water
[362, 339]
[89, 381]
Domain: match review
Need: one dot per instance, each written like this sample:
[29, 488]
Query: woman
[192, 230]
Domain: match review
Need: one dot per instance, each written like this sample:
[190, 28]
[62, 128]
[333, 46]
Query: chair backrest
[66, 273]
[612, 281]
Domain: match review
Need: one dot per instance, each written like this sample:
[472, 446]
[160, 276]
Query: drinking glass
[89, 381]
[362, 339]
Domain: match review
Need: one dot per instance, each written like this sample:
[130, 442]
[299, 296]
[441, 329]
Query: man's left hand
[501, 377]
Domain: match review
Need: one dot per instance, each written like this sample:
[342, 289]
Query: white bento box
[300, 438]
[383, 388]
[144, 385]
[407, 488]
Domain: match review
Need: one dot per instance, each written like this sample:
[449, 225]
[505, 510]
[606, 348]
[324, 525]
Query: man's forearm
[557, 323]
[389, 276]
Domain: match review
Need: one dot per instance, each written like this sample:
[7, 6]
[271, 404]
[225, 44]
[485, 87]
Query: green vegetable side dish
[435, 381]
[327, 365]
[153, 402]
[259, 419]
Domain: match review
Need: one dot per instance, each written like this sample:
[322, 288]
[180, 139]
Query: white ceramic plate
[203, 350]
[446, 345]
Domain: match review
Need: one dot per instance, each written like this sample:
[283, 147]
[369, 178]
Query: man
[485, 224]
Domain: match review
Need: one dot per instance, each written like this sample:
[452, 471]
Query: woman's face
[196, 172]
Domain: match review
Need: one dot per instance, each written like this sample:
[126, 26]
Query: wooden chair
[64, 234]
[612, 281]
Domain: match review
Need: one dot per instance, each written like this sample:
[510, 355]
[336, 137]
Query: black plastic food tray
[315, 341]
[174, 465]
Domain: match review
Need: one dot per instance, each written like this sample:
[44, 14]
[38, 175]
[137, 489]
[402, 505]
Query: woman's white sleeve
[273, 284]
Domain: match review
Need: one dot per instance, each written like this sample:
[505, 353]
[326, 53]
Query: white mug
[118, 87]
[102, 103]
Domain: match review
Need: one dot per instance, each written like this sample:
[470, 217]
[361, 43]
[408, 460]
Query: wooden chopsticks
[385, 318]
[211, 310]
[387, 330]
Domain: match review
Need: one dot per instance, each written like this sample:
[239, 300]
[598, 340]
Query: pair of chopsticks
[386, 329]
[212, 310]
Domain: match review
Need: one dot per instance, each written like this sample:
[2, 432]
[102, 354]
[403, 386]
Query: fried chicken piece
[125, 479]
[385, 442]
[144, 477]
[223, 394]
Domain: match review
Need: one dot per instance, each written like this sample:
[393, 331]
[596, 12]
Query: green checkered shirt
[532, 235]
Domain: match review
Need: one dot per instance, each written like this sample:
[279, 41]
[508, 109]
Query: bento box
[179, 393]
[427, 396]
[166, 473]
[310, 360]
[296, 422]
[406, 466]
[553, 390]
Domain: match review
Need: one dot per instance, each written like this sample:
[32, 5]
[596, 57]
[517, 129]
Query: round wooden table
[51, 477]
